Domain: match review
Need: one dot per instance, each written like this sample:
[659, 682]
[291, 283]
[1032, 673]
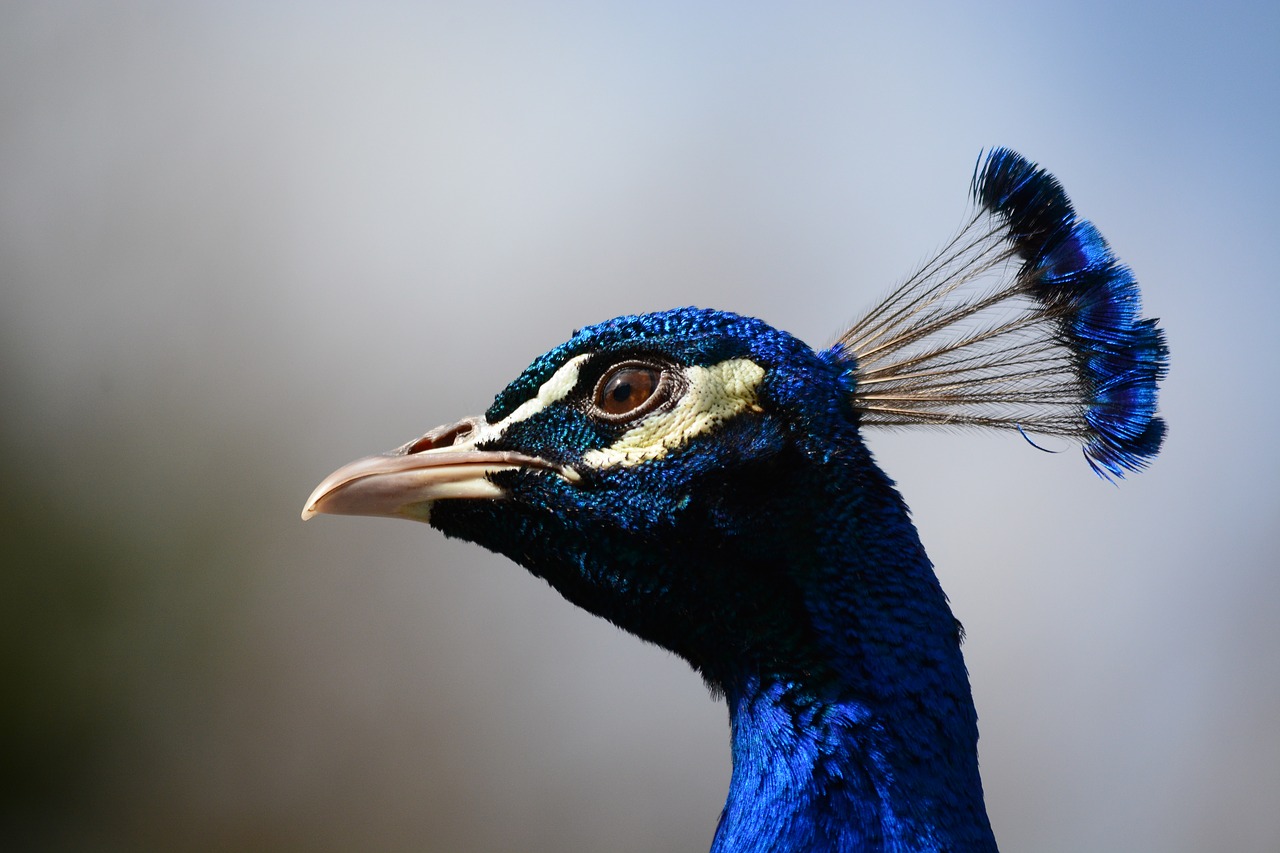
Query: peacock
[700, 479]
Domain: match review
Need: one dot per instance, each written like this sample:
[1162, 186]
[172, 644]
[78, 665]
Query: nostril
[444, 436]
[424, 443]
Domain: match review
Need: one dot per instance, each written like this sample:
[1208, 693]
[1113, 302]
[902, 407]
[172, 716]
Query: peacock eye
[629, 390]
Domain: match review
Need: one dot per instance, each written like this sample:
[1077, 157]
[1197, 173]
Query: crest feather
[1024, 320]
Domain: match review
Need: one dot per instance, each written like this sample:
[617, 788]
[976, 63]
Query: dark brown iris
[629, 390]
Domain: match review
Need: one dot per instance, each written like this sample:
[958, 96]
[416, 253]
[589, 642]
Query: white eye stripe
[555, 389]
[712, 394]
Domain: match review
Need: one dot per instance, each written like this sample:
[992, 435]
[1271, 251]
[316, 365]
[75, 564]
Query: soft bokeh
[242, 243]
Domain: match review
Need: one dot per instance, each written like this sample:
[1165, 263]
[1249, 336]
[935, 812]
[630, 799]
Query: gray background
[243, 243]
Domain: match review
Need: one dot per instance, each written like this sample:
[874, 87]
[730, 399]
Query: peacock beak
[442, 465]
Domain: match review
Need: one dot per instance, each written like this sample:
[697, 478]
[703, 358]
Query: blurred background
[243, 243]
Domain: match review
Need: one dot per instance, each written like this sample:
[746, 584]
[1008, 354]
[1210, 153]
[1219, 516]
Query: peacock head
[698, 477]
[644, 468]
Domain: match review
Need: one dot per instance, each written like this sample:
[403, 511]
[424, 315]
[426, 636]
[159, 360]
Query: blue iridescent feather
[1121, 357]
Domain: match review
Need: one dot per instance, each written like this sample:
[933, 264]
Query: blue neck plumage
[810, 776]
[875, 749]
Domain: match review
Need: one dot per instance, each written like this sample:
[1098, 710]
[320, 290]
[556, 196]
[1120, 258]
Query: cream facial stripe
[550, 392]
[713, 394]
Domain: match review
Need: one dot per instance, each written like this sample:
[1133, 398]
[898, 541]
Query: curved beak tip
[317, 503]
[400, 485]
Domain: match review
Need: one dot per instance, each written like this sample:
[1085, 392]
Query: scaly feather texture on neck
[868, 741]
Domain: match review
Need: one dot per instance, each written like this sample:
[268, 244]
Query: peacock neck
[816, 774]
[866, 740]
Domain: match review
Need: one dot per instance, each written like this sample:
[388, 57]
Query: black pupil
[628, 389]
